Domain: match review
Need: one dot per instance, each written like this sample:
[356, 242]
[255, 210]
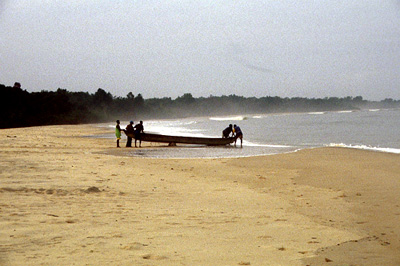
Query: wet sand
[69, 200]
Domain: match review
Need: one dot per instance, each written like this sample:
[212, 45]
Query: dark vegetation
[20, 108]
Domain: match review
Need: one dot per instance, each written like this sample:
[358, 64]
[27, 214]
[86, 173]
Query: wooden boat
[173, 140]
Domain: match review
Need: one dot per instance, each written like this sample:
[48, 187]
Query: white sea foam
[228, 118]
[345, 111]
[172, 130]
[316, 113]
[365, 147]
[251, 144]
[374, 110]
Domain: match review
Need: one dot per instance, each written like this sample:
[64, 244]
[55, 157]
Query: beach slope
[66, 199]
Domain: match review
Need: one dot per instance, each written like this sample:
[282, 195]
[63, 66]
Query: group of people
[136, 131]
[234, 132]
[130, 131]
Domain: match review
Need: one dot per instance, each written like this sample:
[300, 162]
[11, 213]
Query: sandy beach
[66, 199]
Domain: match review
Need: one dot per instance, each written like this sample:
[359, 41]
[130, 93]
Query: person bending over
[238, 134]
[227, 131]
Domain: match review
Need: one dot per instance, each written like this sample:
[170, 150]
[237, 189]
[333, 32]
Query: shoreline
[64, 201]
[192, 152]
[260, 149]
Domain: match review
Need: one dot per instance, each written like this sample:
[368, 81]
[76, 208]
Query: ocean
[264, 134]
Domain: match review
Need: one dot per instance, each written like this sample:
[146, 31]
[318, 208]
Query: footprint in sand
[92, 190]
[153, 257]
[134, 246]
[265, 237]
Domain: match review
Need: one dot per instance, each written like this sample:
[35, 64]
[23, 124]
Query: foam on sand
[365, 147]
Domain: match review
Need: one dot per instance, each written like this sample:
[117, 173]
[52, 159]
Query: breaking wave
[365, 147]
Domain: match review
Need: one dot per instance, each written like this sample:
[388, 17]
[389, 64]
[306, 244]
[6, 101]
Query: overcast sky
[165, 48]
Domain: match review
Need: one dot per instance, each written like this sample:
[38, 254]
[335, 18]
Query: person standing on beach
[138, 130]
[118, 133]
[227, 131]
[238, 134]
[129, 133]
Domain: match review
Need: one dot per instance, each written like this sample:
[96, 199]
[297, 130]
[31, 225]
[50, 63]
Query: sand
[72, 200]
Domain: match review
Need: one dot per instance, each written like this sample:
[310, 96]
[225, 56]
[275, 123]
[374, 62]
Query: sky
[166, 48]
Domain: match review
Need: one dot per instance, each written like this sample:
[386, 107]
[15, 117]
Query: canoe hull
[172, 140]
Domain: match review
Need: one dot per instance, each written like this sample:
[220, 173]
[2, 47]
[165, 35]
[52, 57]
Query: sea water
[264, 134]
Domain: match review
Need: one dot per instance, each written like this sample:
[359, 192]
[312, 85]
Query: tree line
[20, 108]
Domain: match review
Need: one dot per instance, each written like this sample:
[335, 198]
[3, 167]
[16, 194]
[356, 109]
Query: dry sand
[69, 200]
